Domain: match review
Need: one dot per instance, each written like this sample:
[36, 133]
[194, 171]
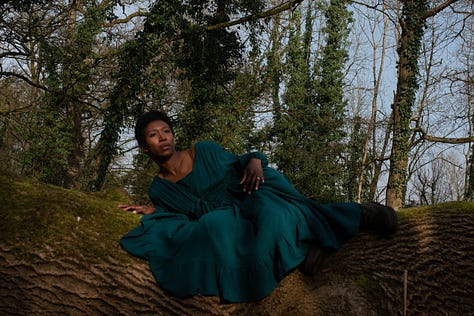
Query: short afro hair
[146, 119]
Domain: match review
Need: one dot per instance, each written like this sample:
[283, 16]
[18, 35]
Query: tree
[330, 101]
[71, 68]
[436, 181]
[63, 55]
[467, 55]
[209, 62]
[308, 126]
[371, 30]
[413, 20]
[201, 57]
[293, 118]
[356, 172]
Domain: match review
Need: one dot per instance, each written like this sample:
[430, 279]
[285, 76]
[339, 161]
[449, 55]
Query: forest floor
[59, 254]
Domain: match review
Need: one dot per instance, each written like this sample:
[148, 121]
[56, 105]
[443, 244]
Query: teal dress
[208, 237]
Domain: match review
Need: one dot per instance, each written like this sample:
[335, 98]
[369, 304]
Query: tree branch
[436, 10]
[24, 78]
[445, 140]
[12, 54]
[125, 20]
[278, 9]
[376, 8]
[275, 10]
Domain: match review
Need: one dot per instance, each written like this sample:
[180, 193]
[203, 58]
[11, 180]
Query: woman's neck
[176, 167]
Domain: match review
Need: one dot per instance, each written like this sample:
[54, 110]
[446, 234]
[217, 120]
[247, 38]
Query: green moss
[372, 290]
[36, 217]
[370, 286]
[364, 280]
[413, 212]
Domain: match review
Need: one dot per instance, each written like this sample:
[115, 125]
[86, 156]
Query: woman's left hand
[253, 176]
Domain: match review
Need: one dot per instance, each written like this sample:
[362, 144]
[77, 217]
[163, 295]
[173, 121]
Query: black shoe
[312, 262]
[378, 218]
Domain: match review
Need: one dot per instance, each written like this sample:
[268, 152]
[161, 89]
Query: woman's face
[160, 140]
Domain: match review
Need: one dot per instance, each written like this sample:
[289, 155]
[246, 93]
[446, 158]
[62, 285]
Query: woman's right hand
[253, 176]
[137, 209]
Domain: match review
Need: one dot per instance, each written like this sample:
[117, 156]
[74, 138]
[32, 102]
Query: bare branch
[376, 8]
[125, 20]
[436, 10]
[24, 78]
[16, 110]
[445, 140]
[12, 54]
[289, 5]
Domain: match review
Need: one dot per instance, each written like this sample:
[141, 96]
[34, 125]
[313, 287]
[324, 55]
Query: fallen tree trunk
[434, 247]
[59, 255]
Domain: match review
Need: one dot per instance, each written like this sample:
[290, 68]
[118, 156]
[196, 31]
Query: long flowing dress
[208, 237]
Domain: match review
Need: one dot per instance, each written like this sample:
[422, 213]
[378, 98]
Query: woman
[230, 225]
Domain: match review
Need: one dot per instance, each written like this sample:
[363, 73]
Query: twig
[405, 292]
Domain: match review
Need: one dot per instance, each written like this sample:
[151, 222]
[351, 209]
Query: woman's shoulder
[208, 149]
[206, 142]
[206, 145]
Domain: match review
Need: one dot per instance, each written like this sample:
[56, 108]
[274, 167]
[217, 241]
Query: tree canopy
[291, 79]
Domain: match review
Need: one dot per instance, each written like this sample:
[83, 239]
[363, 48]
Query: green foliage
[199, 70]
[53, 143]
[310, 132]
[329, 100]
[294, 126]
[44, 155]
[329, 69]
[409, 52]
[353, 163]
[138, 180]
[207, 61]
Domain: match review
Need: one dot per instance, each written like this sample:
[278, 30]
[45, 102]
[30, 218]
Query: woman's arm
[251, 164]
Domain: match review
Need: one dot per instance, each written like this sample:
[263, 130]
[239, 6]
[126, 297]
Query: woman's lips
[165, 147]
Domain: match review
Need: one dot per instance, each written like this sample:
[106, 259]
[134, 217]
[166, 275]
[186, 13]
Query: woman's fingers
[126, 207]
[137, 209]
[251, 183]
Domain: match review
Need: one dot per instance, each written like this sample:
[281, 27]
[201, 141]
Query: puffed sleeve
[245, 158]
[219, 153]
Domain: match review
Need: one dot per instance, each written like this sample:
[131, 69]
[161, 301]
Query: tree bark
[366, 277]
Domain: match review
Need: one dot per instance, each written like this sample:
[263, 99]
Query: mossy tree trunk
[366, 277]
[412, 24]
[414, 16]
